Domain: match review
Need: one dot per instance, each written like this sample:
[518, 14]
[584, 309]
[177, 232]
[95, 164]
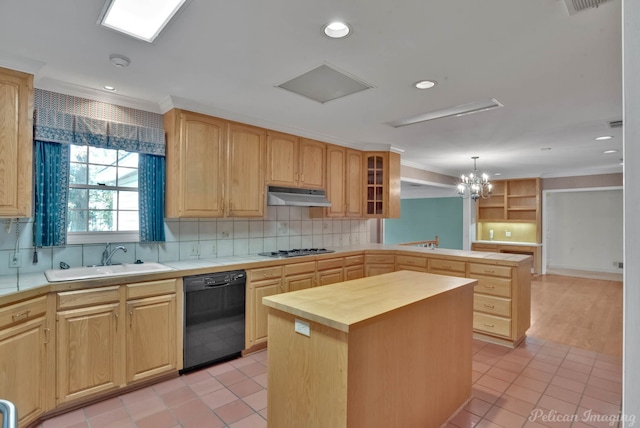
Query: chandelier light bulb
[475, 185]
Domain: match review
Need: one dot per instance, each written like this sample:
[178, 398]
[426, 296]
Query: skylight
[142, 19]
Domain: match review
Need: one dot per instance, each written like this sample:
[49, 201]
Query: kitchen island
[383, 351]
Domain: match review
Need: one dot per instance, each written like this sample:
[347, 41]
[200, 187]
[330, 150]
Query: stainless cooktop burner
[283, 254]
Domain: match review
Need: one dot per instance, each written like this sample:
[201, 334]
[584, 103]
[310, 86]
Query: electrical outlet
[195, 249]
[507, 233]
[15, 260]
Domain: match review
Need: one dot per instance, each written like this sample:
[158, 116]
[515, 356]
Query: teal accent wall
[423, 219]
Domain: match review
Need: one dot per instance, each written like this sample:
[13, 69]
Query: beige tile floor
[538, 384]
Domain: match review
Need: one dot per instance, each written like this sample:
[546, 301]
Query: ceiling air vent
[323, 84]
[615, 124]
[575, 6]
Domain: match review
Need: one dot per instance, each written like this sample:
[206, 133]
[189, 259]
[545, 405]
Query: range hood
[295, 197]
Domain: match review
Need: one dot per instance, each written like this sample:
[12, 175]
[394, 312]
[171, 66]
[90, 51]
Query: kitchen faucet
[108, 253]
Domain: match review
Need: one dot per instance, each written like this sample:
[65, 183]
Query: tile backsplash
[188, 239]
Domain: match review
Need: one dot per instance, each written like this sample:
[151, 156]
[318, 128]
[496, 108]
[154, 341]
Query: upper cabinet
[382, 184]
[513, 201]
[244, 184]
[16, 143]
[344, 183]
[215, 168]
[295, 162]
[195, 164]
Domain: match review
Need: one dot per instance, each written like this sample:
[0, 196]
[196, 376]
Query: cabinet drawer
[354, 260]
[23, 311]
[265, 273]
[492, 305]
[412, 261]
[330, 264]
[154, 288]
[74, 299]
[448, 265]
[299, 268]
[380, 258]
[491, 324]
[494, 286]
[480, 269]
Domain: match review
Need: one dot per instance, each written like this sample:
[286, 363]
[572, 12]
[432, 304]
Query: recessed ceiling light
[425, 84]
[610, 151]
[497, 173]
[337, 30]
[109, 88]
[141, 19]
[604, 137]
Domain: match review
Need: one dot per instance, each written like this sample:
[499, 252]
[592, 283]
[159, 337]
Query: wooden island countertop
[383, 351]
[345, 304]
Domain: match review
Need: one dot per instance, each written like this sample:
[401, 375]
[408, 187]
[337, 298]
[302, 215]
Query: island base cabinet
[405, 368]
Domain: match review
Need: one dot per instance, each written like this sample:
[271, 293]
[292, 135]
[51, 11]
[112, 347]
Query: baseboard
[607, 276]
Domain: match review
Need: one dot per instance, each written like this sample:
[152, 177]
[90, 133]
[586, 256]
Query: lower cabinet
[353, 267]
[330, 271]
[377, 264]
[90, 343]
[151, 329]
[109, 337]
[24, 347]
[299, 276]
[261, 283]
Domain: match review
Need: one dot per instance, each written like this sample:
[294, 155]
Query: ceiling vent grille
[575, 6]
[324, 83]
[615, 124]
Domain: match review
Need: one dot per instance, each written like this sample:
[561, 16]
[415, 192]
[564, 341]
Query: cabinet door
[312, 164]
[282, 159]
[382, 184]
[89, 351]
[299, 282]
[257, 312]
[331, 276]
[336, 181]
[195, 164]
[23, 366]
[151, 337]
[353, 272]
[16, 143]
[353, 184]
[379, 269]
[245, 171]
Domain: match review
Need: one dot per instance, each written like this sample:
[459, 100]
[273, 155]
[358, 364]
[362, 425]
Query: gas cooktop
[283, 254]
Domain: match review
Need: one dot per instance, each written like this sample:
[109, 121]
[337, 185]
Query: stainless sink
[86, 272]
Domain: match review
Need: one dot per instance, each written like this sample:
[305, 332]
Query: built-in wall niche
[520, 232]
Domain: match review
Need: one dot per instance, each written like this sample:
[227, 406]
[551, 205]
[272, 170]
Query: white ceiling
[558, 76]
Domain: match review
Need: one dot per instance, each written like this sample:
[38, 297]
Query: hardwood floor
[580, 312]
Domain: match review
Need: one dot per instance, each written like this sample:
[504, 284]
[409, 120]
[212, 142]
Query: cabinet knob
[24, 314]
[489, 287]
[489, 325]
[489, 306]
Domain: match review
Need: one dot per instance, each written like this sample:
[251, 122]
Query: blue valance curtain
[61, 120]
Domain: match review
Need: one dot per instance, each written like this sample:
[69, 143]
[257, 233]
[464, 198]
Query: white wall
[631, 150]
[583, 229]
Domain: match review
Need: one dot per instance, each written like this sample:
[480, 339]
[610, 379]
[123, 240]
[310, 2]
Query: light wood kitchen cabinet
[244, 179]
[299, 276]
[414, 263]
[502, 301]
[294, 161]
[353, 267]
[152, 347]
[382, 184]
[16, 143]
[90, 343]
[344, 184]
[260, 283]
[195, 164]
[377, 264]
[330, 271]
[26, 372]
[215, 168]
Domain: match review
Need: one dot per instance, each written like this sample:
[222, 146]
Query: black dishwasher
[214, 312]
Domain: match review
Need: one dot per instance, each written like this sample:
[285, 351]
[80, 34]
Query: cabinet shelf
[491, 206]
[522, 196]
[523, 208]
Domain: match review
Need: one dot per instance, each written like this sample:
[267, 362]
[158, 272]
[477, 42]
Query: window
[103, 195]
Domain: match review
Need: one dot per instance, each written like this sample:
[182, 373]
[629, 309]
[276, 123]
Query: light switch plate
[302, 327]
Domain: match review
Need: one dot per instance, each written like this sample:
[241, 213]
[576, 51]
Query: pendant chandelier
[474, 185]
